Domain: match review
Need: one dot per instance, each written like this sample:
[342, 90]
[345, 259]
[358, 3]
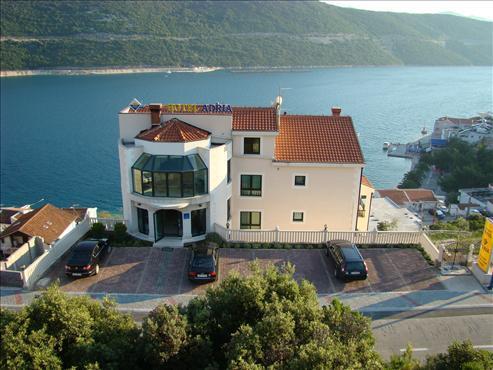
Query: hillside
[231, 34]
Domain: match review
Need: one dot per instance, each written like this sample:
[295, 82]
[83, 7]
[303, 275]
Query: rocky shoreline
[78, 71]
[104, 71]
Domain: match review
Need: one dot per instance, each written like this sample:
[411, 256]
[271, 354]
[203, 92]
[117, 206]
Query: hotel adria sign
[484, 256]
[198, 108]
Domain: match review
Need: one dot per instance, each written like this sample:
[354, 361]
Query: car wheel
[96, 270]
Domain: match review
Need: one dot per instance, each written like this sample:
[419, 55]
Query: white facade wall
[132, 123]
[330, 197]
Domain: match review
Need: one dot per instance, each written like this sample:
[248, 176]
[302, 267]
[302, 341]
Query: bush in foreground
[266, 320]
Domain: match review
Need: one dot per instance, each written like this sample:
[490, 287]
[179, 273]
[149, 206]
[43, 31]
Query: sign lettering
[198, 108]
[484, 256]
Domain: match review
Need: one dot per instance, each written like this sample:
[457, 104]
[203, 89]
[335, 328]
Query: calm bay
[58, 134]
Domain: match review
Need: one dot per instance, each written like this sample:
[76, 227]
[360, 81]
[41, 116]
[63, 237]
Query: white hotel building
[187, 167]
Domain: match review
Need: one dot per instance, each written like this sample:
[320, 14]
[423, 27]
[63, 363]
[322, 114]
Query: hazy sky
[479, 9]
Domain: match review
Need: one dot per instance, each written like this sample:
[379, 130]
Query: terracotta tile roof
[317, 139]
[421, 195]
[254, 119]
[174, 131]
[403, 196]
[47, 222]
[366, 182]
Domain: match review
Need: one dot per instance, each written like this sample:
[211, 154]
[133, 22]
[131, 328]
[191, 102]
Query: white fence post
[277, 235]
[326, 234]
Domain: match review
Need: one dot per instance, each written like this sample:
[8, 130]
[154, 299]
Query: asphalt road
[431, 335]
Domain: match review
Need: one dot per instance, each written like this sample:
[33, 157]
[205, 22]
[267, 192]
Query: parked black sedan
[86, 257]
[348, 261]
[203, 264]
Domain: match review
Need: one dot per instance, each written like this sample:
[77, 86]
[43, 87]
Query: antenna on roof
[135, 104]
[30, 205]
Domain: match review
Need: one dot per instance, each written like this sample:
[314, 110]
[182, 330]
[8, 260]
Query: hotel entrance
[168, 223]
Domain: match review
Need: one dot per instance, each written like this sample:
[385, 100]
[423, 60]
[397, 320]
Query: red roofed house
[186, 167]
[417, 200]
[48, 222]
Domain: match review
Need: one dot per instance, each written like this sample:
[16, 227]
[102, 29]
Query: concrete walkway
[376, 305]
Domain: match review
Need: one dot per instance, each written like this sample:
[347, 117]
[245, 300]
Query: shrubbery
[265, 320]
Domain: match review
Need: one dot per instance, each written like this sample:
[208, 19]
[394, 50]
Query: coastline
[78, 71]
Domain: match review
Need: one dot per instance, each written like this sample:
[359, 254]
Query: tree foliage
[49, 34]
[265, 320]
[462, 165]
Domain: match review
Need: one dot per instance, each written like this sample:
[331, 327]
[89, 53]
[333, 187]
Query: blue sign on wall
[186, 216]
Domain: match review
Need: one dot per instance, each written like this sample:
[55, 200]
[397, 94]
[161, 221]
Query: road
[431, 335]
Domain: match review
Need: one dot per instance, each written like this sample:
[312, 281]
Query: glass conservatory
[170, 176]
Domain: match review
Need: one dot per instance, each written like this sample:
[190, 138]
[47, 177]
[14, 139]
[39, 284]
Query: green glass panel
[140, 163]
[257, 182]
[187, 184]
[196, 162]
[200, 182]
[137, 181]
[174, 185]
[147, 183]
[255, 216]
[160, 187]
[244, 220]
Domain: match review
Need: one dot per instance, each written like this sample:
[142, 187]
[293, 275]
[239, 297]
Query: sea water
[59, 134]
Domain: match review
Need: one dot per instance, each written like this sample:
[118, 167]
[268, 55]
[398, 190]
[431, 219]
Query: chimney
[155, 114]
[336, 111]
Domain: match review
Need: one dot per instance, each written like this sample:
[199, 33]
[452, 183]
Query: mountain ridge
[232, 34]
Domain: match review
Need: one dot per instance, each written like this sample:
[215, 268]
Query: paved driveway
[164, 271]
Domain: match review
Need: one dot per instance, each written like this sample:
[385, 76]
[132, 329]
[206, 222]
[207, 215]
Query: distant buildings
[471, 130]
[186, 167]
[480, 199]
[416, 200]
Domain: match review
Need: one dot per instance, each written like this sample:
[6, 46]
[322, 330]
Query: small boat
[386, 145]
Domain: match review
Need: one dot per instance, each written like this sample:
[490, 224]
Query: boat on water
[386, 145]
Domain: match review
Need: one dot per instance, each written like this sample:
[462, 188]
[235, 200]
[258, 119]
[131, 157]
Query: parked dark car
[349, 264]
[203, 264]
[86, 257]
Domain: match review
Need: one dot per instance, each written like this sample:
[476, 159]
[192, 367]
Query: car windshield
[203, 262]
[355, 266]
[79, 255]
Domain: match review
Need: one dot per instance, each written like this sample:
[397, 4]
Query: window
[143, 221]
[199, 222]
[251, 185]
[169, 176]
[251, 145]
[250, 220]
[229, 171]
[187, 178]
[229, 209]
[174, 184]
[147, 183]
[298, 216]
[137, 181]
[299, 180]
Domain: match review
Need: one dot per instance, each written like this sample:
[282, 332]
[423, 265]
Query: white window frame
[299, 186]
[262, 188]
[298, 222]
[243, 146]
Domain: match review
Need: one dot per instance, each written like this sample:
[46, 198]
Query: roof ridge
[34, 215]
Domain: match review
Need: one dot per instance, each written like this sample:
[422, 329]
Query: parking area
[143, 270]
